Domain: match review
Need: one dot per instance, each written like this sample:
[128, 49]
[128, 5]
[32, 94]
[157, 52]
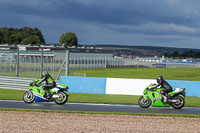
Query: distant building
[52, 51]
[156, 56]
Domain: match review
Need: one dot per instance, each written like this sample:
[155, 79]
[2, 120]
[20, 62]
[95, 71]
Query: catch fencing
[28, 63]
[33, 62]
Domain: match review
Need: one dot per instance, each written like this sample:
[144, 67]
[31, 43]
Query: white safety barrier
[127, 86]
[15, 82]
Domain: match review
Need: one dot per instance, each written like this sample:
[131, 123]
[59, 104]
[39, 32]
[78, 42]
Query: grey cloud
[154, 18]
[157, 29]
[109, 12]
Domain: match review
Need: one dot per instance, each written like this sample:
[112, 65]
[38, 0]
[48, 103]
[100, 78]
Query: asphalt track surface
[97, 107]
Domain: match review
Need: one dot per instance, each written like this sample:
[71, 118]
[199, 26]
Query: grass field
[192, 74]
[6, 94]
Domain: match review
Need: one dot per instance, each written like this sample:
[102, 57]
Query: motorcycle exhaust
[55, 96]
[173, 101]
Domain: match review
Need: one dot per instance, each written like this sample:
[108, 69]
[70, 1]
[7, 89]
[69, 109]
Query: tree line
[187, 54]
[24, 35]
[33, 36]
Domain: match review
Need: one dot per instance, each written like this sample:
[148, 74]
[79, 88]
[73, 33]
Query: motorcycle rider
[162, 84]
[50, 83]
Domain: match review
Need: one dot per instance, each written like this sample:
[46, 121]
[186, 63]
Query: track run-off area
[97, 107]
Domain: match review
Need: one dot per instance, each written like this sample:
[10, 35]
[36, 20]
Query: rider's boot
[168, 96]
[48, 94]
[165, 97]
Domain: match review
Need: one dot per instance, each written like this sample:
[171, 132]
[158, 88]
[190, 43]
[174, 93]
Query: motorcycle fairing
[156, 98]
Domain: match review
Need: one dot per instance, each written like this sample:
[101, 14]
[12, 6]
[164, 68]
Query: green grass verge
[6, 94]
[191, 74]
[111, 113]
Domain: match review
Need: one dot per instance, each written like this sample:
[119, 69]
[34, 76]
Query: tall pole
[17, 63]
[67, 63]
[42, 63]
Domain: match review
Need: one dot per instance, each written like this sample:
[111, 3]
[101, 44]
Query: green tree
[32, 32]
[31, 40]
[5, 35]
[1, 37]
[24, 35]
[175, 54]
[68, 39]
[38, 33]
[189, 54]
[16, 38]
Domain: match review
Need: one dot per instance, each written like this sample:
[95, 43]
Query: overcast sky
[168, 23]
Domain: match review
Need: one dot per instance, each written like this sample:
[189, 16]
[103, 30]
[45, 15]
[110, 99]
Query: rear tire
[63, 97]
[28, 97]
[144, 103]
[180, 102]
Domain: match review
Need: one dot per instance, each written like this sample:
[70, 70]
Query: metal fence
[32, 63]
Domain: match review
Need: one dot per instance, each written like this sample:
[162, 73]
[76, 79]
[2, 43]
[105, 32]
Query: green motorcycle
[37, 94]
[156, 98]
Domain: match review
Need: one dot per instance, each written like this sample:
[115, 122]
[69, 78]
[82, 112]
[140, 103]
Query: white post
[67, 63]
[17, 63]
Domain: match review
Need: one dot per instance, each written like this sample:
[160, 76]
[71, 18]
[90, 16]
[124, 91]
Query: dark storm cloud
[105, 12]
[69, 10]
[157, 18]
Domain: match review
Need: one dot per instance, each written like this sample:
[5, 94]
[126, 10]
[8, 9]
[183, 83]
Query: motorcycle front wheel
[144, 103]
[28, 97]
[180, 102]
[62, 99]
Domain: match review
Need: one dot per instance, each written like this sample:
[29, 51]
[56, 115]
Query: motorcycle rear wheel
[63, 97]
[144, 103]
[28, 97]
[180, 102]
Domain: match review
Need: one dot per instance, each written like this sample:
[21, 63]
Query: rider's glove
[151, 88]
[36, 84]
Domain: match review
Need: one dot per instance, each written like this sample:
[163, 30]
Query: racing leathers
[163, 84]
[50, 83]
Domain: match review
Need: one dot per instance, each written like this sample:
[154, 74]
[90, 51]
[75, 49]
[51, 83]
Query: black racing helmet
[160, 79]
[45, 74]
